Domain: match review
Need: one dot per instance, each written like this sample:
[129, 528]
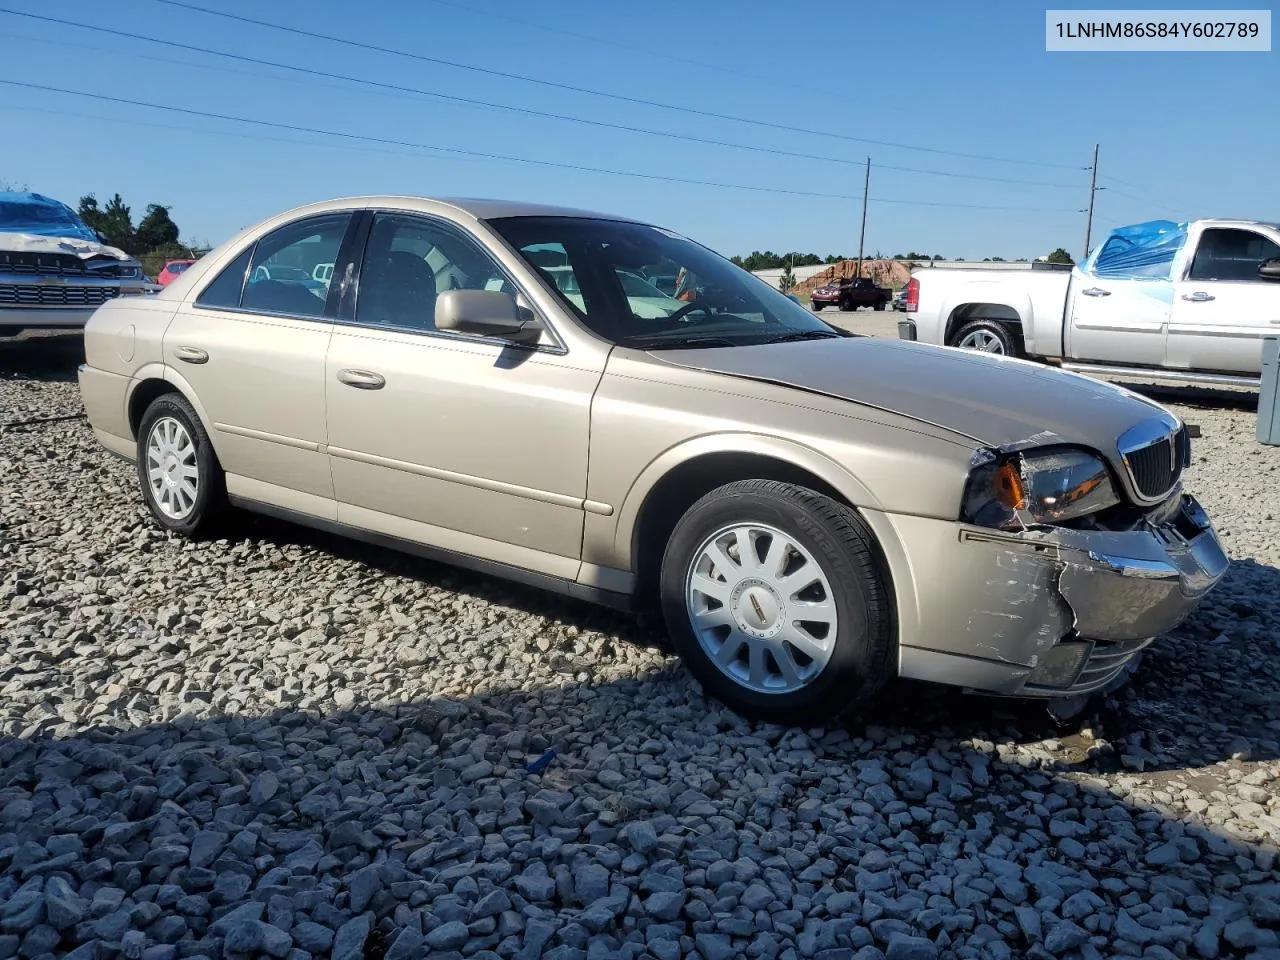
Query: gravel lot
[282, 744]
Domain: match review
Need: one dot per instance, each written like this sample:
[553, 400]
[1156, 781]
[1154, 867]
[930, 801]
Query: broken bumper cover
[1056, 612]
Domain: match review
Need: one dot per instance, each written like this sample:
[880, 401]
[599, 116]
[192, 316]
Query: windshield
[32, 213]
[642, 286]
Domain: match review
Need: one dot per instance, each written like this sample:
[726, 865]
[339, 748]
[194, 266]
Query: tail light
[913, 296]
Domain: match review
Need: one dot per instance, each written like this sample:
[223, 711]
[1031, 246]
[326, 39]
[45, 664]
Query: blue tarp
[1143, 251]
[43, 216]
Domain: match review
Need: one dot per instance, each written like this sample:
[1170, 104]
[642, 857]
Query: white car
[1188, 302]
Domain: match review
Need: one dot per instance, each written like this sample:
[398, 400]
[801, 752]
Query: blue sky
[1182, 135]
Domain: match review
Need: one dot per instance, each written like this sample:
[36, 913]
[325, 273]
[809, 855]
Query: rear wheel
[880, 305]
[182, 481]
[986, 336]
[777, 602]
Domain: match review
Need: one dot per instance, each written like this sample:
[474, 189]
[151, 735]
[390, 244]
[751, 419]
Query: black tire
[847, 305]
[817, 307]
[210, 503]
[862, 659]
[880, 305]
[1010, 341]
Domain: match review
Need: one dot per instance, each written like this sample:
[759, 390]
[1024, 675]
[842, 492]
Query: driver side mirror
[1269, 269]
[486, 313]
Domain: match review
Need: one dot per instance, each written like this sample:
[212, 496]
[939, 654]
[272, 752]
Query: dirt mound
[886, 273]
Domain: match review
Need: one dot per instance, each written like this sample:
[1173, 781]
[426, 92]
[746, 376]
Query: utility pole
[862, 234]
[1093, 191]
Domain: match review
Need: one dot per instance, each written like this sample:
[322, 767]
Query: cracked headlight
[1037, 488]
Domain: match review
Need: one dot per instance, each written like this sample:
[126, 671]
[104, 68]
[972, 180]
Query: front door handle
[191, 354]
[362, 379]
[1096, 292]
[1198, 297]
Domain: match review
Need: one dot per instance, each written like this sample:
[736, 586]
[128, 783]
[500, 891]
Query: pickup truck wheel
[880, 305]
[986, 336]
[182, 481]
[777, 602]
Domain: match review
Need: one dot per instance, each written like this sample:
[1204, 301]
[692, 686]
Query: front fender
[788, 451]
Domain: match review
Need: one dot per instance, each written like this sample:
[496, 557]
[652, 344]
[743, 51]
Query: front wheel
[880, 305]
[182, 481]
[817, 307]
[778, 603]
[986, 336]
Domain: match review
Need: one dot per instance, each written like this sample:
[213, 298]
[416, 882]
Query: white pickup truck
[1187, 302]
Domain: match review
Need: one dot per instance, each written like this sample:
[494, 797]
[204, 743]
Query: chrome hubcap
[982, 340]
[172, 473]
[762, 608]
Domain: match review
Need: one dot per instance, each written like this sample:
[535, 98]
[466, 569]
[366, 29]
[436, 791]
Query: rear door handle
[1198, 297]
[191, 354]
[1096, 292]
[362, 379]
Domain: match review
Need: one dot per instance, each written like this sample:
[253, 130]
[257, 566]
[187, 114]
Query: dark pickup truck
[850, 294]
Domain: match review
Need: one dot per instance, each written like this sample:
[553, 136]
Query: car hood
[35, 243]
[994, 401]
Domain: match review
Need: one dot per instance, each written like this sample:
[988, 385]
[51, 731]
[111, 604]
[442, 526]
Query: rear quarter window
[226, 289]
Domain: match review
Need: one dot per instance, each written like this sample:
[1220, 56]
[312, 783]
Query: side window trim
[346, 269]
[327, 315]
[347, 314]
[244, 276]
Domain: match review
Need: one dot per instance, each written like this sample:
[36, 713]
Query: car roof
[477, 207]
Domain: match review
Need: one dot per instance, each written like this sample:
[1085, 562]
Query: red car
[171, 271]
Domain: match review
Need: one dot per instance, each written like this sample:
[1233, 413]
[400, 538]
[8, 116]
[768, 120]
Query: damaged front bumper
[1053, 612]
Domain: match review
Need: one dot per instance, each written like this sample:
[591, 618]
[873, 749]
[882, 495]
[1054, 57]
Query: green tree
[1060, 256]
[787, 280]
[156, 228]
[114, 221]
[90, 213]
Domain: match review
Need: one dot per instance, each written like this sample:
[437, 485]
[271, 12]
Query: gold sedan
[522, 390]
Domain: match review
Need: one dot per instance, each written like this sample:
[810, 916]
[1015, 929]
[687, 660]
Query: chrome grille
[59, 265]
[1155, 467]
[55, 295]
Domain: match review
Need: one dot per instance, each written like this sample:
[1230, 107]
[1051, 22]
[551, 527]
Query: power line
[608, 42]
[1145, 201]
[1164, 198]
[188, 64]
[385, 141]
[528, 111]
[488, 71]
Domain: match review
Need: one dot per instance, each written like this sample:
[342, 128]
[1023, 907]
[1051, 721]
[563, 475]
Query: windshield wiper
[804, 335]
[669, 343]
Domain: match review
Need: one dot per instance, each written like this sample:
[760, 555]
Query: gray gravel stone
[905, 947]
[257, 936]
[312, 937]
[348, 942]
[251, 733]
